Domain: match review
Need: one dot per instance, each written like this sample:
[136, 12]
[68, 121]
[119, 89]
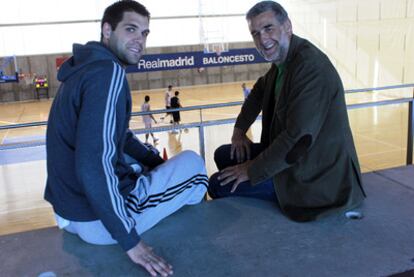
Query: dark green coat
[310, 152]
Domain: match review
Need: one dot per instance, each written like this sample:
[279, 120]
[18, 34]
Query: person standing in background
[175, 103]
[246, 90]
[167, 100]
[145, 107]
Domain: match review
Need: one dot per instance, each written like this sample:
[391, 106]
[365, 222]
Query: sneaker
[156, 139]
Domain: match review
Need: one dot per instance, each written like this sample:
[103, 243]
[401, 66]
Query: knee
[222, 154]
[192, 156]
[193, 159]
[222, 151]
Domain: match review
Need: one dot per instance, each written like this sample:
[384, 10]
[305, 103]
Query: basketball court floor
[380, 135]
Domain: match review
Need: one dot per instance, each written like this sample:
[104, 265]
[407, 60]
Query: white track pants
[180, 181]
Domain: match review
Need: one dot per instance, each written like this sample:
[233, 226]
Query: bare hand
[240, 145]
[237, 173]
[143, 255]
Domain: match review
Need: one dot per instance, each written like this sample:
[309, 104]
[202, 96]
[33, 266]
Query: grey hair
[264, 6]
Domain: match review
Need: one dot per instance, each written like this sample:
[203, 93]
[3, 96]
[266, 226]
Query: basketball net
[217, 50]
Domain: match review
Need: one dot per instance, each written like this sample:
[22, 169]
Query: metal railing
[203, 124]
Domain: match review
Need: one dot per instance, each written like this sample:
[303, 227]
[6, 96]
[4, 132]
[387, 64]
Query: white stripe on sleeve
[109, 151]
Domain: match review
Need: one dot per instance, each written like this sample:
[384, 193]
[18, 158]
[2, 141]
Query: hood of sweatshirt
[84, 55]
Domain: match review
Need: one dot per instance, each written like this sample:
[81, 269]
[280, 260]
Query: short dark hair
[176, 93]
[147, 98]
[114, 13]
[170, 86]
[264, 6]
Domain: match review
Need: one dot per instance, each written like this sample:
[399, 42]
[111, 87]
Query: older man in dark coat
[306, 159]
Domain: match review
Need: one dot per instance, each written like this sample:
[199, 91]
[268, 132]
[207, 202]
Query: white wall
[371, 42]
[58, 38]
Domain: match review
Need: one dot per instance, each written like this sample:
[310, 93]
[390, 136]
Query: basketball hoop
[28, 79]
[200, 70]
[213, 33]
[217, 50]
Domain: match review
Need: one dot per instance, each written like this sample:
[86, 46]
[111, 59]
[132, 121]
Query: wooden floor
[380, 136]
